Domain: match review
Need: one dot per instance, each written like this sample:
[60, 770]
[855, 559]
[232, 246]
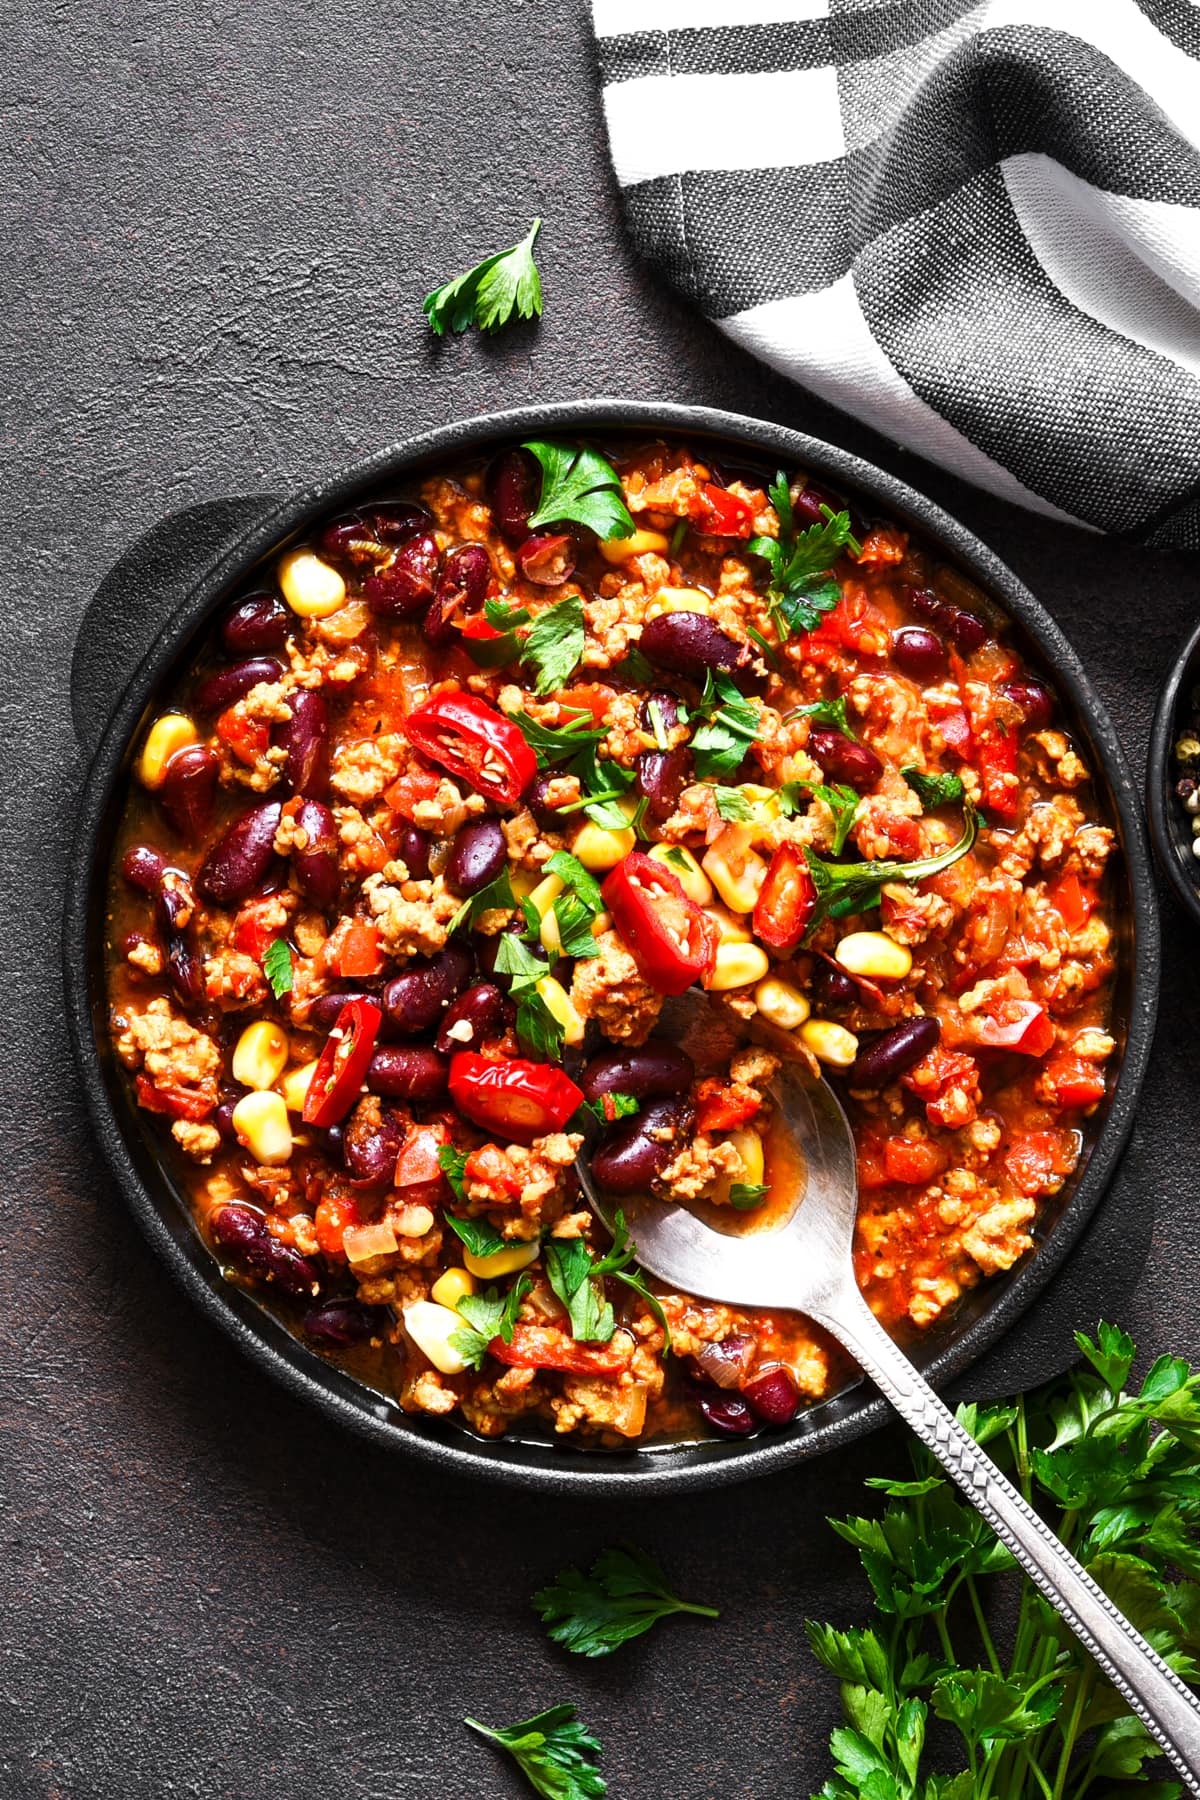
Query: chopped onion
[727, 1362]
[363, 1242]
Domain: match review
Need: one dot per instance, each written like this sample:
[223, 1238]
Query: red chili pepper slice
[1020, 1025]
[339, 1073]
[671, 939]
[469, 738]
[719, 513]
[786, 901]
[520, 1099]
[545, 1347]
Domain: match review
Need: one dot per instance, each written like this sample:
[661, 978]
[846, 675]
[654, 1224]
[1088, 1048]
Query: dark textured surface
[221, 227]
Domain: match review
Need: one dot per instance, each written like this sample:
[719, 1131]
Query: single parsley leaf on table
[802, 586]
[623, 1596]
[579, 488]
[497, 290]
[278, 968]
[554, 1752]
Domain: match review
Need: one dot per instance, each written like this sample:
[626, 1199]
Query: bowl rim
[533, 1465]
[1159, 798]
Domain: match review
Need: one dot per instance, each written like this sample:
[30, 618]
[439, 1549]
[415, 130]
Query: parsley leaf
[555, 644]
[801, 586]
[277, 967]
[495, 897]
[490, 295]
[826, 712]
[934, 790]
[488, 1315]
[842, 802]
[453, 1164]
[611, 1107]
[480, 1236]
[574, 745]
[575, 919]
[733, 804]
[578, 880]
[731, 726]
[570, 1272]
[552, 744]
[539, 1031]
[744, 1196]
[844, 888]
[635, 668]
[580, 487]
[553, 1751]
[623, 1596]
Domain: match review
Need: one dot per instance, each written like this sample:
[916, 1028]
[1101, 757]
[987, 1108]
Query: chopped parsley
[576, 878]
[731, 724]
[826, 712]
[934, 790]
[844, 888]
[480, 1237]
[611, 1107]
[453, 1164]
[497, 290]
[579, 487]
[578, 1281]
[744, 1196]
[553, 1751]
[538, 1029]
[488, 1315]
[842, 802]
[277, 967]
[574, 747]
[554, 744]
[802, 586]
[497, 896]
[732, 804]
[623, 1596]
[555, 644]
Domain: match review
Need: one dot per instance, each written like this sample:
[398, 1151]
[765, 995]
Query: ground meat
[608, 988]
[234, 979]
[1057, 763]
[363, 767]
[996, 1239]
[196, 1141]
[529, 1183]
[448, 810]
[145, 956]
[625, 739]
[428, 1392]
[695, 1170]
[525, 843]
[413, 917]
[176, 1058]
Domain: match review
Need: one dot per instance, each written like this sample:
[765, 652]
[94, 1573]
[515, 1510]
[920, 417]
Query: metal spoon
[805, 1265]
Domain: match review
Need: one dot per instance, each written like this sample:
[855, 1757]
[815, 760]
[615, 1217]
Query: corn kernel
[619, 550]
[559, 1005]
[729, 929]
[260, 1055]
[673, 600]
[261, 1122]
[502, 1262]
[546, 893]
[431, 1327]
[452, 1286]
[781, 1004]
[737, 965]
[311, 587]
[829, 1043]
[736, 872]
[875, 955]
[598, 848]
[174, 731]
[523, 882]
[686, 870]
[296, 1084]
[549, 935]
[749, 1147]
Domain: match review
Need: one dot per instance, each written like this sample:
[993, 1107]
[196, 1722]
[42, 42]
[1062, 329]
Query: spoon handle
[1153, 1691]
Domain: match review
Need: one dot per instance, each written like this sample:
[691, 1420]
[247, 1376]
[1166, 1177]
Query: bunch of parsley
[1115, 1470]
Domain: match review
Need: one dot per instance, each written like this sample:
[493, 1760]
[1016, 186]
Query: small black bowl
[1170, 825]
[146, 1179]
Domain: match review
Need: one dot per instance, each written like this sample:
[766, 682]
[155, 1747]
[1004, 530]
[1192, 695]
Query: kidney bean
[189, 790]
[629, 1158]
[547, 816]
[728, 1413]
[349, 538]
[417, 998]
[235, 682]
[807, 504]
[334, 1139]
[372, 1145]
[241, 856]
[395, 521]
[690, 644]
[513, 485]
[474, 1016]
[831, 986]
[143, 867]
[412, 849]
[462, 586]
[886, 1057]
[665, 704]
[654, 1071]
[1035, 702]
[773, 1396]
[477, 855]
[407, 1072]
[662, 776]
[548, 559]
[223, 1117]
[316, 866]
[337, 1324]
[918, 653]
[968, 632]
[243, 1233]
[254, 625]
[843, 760]
[185, 967]
[406, 585]
[323, 1011]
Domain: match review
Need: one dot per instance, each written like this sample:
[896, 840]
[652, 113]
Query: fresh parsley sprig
[580, 488]
[479, 1235]
[553, 1751]
[844, 888]
[934, 790]
[731, 724]
[802, 586]
[497, 290]
[555, 644]
[578, 1280]
[623, 1596]
[488, 1315]
[497, 896]
[842, 801]
[573, 747]
[278, 967]
[825, 712]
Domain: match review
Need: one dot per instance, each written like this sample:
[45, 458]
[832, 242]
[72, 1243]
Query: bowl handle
[138, 595]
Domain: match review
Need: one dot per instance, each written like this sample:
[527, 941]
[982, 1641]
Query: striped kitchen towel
[976, 227]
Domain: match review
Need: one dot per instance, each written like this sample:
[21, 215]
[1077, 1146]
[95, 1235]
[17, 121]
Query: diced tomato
[993, 745]
[409, 790]
[882, 544]
[719, 513]
[854, 624]
[718, 1108]
[256, 926]
[872, 1165]
[1073, 900]
[247, 738]
[1035, 1163]
[356, 949]
[546, 1347]
[1074, 1082]
[589, 696]
[335, 1214]
[1020, 1025]
[179, 1103]
[954, 727]
[912, 1161]
[418, 1171]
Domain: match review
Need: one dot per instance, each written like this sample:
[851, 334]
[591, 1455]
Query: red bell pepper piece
[469, 738]
[357, 949]
[335, 1214]
[786, 901]
[522, 1100]
[178, 1102]
[338, 1076]
[719, 513]
[247, 738]
[1017, 1025]
[671, 939]
[545, 1347]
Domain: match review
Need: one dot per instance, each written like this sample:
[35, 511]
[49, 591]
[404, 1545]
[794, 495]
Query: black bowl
[1170, 826]
[147, 1183]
